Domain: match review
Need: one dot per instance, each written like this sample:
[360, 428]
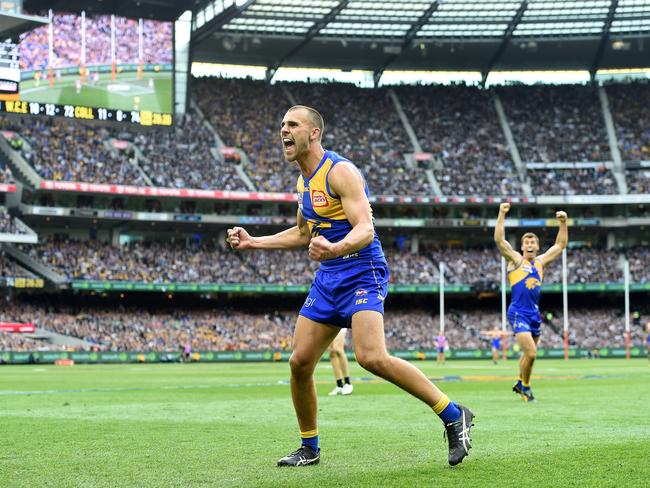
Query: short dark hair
[529, 234]
[314, 115]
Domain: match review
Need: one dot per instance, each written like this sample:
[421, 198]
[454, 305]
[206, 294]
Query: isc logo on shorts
[319, 199]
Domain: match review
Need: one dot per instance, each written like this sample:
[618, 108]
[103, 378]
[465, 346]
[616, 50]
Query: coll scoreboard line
[80, 112]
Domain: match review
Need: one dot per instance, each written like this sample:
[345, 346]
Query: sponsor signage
[16, 327]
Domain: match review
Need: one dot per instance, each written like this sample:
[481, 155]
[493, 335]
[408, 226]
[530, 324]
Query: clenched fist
[321, 249]
[239, 239]
[504, 208]
[561, 216]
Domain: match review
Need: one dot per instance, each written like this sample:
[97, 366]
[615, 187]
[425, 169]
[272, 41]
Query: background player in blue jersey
[525, 274]
[340, 367]
[335, 222]
[495, 337]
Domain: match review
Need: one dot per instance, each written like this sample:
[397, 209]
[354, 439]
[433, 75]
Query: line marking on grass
[369, 380]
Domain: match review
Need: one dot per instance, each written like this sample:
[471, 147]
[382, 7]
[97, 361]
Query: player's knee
[530, 353]
[374, 362]
[300, 363]
[335, 352]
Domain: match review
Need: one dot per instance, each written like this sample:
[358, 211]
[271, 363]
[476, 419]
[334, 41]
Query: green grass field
[227, 424]
[118, 94]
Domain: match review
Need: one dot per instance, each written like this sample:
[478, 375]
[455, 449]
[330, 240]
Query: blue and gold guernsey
[323, 212]
[348, 284]
[525, 283]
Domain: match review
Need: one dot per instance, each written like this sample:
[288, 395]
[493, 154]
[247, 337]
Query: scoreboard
[9, 70]
[142, 117]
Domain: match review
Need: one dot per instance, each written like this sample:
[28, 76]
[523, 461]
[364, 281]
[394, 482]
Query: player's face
[530, 247]
[295, 134]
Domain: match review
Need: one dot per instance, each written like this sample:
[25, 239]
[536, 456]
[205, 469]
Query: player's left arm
[346, 182]
[561, 240]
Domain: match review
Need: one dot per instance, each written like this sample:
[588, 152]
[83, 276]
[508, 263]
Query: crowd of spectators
[182, 157]
[638, 181]
[556, 123]
[63, 150]
[157, 42]
[207, 262]
[457, 124]
[10, 269]
[9, 225]
[583, 181]
[628, 103]
[143, 261]
[360, 124]
[460, 126]
[139, 329]
[363, 126]
[247, 115]
[5, 174]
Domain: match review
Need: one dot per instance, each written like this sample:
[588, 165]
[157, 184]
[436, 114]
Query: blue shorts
[335, 296]
[496, 344]
[521, 322]
[441, 349]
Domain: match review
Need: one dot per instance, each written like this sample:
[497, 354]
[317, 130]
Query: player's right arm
[504, 246]
[294, 237]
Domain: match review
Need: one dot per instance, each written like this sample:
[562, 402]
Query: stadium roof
[424, 34]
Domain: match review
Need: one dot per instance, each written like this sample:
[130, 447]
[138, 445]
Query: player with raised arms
[525, 274]
[335, 222]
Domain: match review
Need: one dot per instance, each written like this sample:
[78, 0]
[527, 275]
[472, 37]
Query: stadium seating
[459, 125]
[128, 329]
[207, 262]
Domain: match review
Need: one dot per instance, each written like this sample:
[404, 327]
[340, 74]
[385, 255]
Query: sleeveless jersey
[525, 283]
[323, 212]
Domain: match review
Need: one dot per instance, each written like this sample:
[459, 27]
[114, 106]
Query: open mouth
[288, 143]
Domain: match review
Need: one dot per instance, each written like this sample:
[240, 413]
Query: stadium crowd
[560, 123]
[628, 102]
[128, 329]
[8, 224]
[5, 174]
[460, 126]
[247, 114]
[182, 158]
[9, 269]
[583, 181]
[457, 124]
[62, 150]
[156, 42]
[208, 262]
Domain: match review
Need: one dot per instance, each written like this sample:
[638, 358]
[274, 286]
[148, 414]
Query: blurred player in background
[335, 222]
[441, 345]
[495, 336]
[525, 273]
[340, 365]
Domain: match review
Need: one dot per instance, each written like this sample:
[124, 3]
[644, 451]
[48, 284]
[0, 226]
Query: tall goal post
[626, 277]
[565, 305]
[441, 269]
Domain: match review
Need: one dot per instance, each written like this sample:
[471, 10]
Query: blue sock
[311, 442]
[450, 414]
[447, 410]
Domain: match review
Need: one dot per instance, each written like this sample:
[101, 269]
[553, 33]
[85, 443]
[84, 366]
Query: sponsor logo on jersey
[361, 292]
[319, 199]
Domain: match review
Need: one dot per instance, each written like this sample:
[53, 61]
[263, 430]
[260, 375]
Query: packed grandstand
[458, 133]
